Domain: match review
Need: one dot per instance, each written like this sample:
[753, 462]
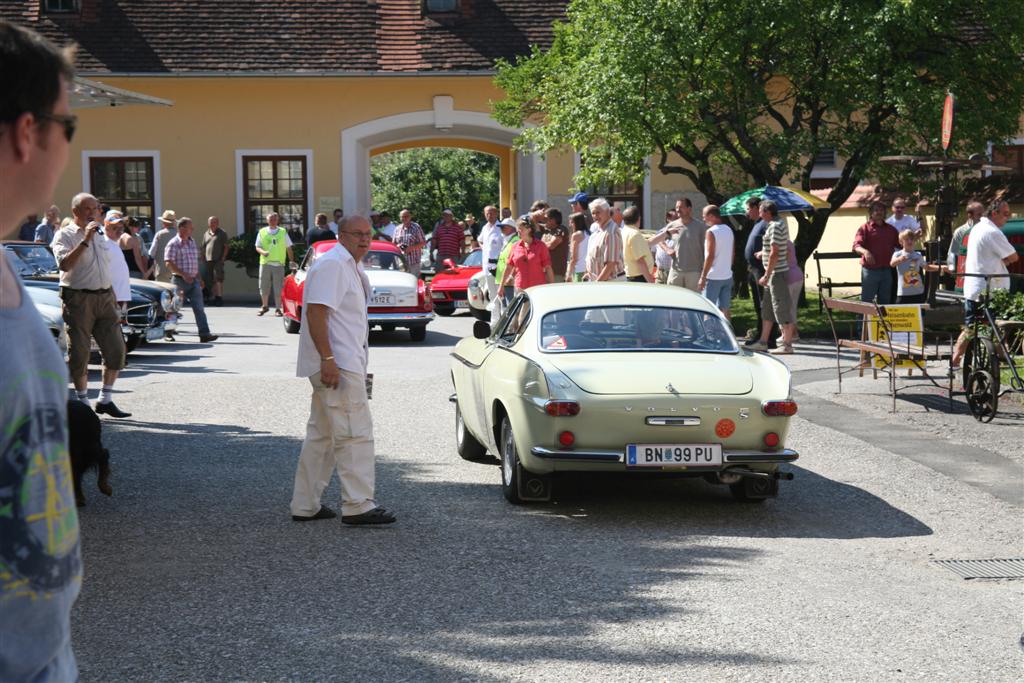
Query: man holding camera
[90, 309]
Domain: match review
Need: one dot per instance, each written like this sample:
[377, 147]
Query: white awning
[88, 94]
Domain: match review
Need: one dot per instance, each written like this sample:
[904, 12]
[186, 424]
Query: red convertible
[448, 287]
[398, 298]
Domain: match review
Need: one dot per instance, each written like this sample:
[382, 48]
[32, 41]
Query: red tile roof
[311, 36]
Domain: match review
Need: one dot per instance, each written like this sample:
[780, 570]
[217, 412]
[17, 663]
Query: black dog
[86, 448]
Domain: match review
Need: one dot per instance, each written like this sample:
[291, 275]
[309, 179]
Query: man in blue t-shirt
[755, 267]
[40, 560]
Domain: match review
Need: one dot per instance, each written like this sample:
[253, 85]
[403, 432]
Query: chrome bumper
[400, 318]
[728, 457]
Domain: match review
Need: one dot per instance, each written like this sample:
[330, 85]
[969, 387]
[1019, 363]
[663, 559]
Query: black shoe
[374, 516]
[110, 409]
[169, 337]
[217, 301]
[750, 342]
[323, 513]
[772, 345]
[207, 338]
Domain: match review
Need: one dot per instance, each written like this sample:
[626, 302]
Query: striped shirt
[412, 235]
[605, 245]
[184, 254]
[778, 234]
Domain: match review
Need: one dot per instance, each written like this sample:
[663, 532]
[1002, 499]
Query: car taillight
[566, 439]
[423, 296]
[779, 408]
[562, 408]
[771, 439]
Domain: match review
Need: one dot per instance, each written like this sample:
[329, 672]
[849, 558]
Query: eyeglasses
[70, 122]
[360, 235]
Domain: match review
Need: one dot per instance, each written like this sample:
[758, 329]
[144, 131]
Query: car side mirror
[481, 330]
[448, 264]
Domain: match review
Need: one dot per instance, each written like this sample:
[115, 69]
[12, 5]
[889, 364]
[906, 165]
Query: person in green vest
[508, 227]
[275, 250]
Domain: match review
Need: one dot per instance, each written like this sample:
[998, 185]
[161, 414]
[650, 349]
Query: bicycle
[987, 344]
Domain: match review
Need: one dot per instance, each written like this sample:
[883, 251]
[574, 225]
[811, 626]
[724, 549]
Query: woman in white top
[120, 279]
[576, 264]
[716, 277]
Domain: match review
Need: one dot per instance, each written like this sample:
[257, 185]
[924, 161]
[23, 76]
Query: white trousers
[339, 435]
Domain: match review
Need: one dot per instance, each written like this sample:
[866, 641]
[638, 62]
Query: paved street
[194, 570]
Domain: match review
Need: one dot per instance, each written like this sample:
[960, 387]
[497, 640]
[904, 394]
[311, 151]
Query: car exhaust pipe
[734, 474]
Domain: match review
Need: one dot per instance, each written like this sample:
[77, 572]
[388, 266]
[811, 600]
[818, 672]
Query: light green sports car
[620, 377]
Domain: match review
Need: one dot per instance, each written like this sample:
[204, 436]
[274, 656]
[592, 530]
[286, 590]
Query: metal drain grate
[985, 569]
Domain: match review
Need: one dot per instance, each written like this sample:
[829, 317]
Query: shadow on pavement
[401, 338]
[194, 570]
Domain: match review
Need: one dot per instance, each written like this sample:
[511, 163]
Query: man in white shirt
[988, 253]
[901, 220]
[333, 353]
[387, 227]
[333, 225]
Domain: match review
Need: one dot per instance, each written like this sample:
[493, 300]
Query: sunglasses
[69, 122]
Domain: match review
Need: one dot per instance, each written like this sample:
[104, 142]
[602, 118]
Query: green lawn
[810, 321]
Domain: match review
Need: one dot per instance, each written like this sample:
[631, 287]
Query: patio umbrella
[786, 198]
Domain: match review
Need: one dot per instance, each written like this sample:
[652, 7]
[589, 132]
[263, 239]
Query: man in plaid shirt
[182, 258]
[410, 239]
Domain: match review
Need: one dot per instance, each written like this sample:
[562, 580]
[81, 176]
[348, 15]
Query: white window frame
[153, 154]
[240, 176]
[832, 171]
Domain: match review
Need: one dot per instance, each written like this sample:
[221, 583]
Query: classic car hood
[453, 279]
[392, 279]
[651, 373]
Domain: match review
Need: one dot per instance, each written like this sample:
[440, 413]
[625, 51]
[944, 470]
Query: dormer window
[440, 6]
[60, 6]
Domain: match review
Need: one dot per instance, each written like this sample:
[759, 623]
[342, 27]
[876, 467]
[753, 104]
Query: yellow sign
[906, 326]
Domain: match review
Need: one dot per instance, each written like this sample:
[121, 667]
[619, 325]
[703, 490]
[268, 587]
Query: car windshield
[635, 328]
[384, 260]
[474, 259]
[35, 259]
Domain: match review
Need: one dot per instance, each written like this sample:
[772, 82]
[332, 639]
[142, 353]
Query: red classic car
[398, 298]
[448, 287]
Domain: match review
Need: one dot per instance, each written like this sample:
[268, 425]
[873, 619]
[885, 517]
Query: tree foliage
[428, 180]
[734, 94]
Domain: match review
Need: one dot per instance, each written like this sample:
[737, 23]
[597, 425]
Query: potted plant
[242, 250]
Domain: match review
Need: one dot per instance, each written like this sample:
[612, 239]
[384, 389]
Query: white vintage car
[620, 377]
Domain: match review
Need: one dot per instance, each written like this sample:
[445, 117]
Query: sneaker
[784, 350]
[758, 346]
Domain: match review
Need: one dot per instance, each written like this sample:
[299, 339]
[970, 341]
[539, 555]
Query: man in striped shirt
[181, 256]
[604, 253]
[776, 304]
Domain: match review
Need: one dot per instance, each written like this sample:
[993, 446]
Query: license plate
[154, 333]
[461, 304]
[383, 300]
[674, 455]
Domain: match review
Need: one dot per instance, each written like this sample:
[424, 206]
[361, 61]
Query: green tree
[430, 179]
[748, 92]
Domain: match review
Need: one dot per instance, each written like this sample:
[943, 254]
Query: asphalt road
[194, 570]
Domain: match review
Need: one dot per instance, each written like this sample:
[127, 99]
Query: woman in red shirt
[529, 262]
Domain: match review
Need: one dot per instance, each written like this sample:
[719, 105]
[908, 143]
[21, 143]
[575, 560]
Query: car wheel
[754, 489]
[510, 467]
[481, 314]
[466, 444]
[291, 326]
[444, 310]
[418, 333]
[131, 343]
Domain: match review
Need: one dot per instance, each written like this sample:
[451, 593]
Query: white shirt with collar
[901, 224]
[987, 246]
[338, 282]
[491, 241]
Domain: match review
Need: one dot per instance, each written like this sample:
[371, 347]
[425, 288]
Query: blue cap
[580, 198]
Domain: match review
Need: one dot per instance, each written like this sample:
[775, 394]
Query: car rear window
[384, 260]
[635, 328]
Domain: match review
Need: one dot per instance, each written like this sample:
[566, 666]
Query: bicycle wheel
[981, 355]
[982, 395]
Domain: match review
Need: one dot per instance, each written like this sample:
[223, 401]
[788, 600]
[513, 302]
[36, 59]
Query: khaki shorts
[214, 271]
[95, 315]
[776, 304]
[684, 278]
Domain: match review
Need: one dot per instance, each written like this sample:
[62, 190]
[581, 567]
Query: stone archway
[444, 126]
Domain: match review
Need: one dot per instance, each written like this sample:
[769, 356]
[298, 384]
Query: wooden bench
[884, 349]
[825, 283]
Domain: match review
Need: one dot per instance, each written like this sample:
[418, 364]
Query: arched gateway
[523, 177]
